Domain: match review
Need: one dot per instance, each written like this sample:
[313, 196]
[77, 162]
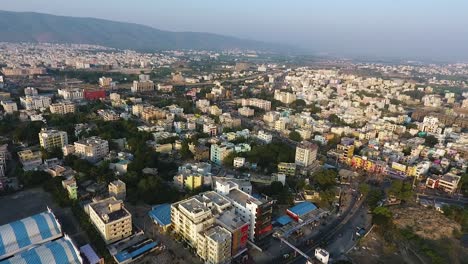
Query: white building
[92, 149]
[62, 108]
[9, 107]
[322, 255]
[265, 137]
[239, 162]
[35, 102]
[71, 93]
[49, 139]
[306, 153]
[31, 91]
[246, 111]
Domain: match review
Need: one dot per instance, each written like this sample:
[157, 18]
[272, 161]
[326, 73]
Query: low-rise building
[62, 108]
[288, 169]
[29, 159]
[9, 107]
[35, 102]
[118, 190]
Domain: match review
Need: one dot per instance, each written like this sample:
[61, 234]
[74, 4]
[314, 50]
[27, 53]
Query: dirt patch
[426, 223]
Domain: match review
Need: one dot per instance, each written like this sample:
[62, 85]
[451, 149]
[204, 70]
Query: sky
[401, 29]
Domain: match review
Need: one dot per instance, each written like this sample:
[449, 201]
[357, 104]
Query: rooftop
[230, 220]
[110, 209]
[302, 208]
[218, 233]
[161, 214]
[242, 197]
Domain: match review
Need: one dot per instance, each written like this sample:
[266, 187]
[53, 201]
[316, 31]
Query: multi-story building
[306, 153]
[144, 84]
[62, 108]
[288, 169]
[238, 228]
[448, 182]
[265, 137]
[9, 107]
[105, 82]
[214, 245]
[285, 97]
[31, 91]
[259, 103]
[219, 152]
[92, 149]
[35, 102]
[111, 219]
[256, 212]
[49, 139]
[118, 190]
[108, 115]
[246, 111]
[71, 93]
[29, 159]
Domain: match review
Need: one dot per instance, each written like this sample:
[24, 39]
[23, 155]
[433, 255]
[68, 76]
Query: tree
[401, 190]
[364, 188]
[374, 197]
[294, 135]
[228, 161]
[381, 216]
[185, 150]
[430, 141]
[276, 188]
[325, 179]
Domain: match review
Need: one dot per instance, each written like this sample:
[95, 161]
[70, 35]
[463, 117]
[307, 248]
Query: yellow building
[288, 169]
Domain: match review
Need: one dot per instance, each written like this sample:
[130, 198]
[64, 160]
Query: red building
[94, 94]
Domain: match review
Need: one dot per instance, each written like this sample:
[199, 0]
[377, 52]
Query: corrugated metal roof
[161, 214]
[22, 234]
[302, 208]
[60, 251]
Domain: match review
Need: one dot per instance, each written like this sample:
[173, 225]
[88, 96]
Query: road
[455, 201]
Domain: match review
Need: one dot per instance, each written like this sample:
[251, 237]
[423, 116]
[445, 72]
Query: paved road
[461, 201]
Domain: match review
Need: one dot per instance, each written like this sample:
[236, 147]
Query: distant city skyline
[415, 29]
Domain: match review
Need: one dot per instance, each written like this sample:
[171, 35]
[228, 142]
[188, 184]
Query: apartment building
[144, 84]
[29, 159]
[35, 102]
[111, 219]
[288, 169]
[256, 212]
[62, 108]
[49, 139]
[9, 107]
[259, 103]
[71, 93]
[219, 152]
[306, 153]
[92, 149]
[265, 137]
[246, 111]
[214, 245]
[448, 182]
[118, 190]
[105, 82]
[285, 97]
[31, 91]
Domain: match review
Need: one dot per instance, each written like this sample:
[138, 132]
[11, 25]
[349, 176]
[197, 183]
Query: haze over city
[431, 30]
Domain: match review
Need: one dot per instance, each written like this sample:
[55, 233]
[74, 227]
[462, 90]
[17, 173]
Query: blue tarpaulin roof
[60, 251]
[302, 208]
[161, 214]
[21, 234]
[284, 220]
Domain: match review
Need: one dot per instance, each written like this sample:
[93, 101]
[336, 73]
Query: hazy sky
[384, 28]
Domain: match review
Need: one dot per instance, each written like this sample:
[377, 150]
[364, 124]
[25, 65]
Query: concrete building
[306, 153]
[9, 107]
[111, 219]
[265, 137]
[259, 103]
[285, 97]
[49, 139]
[35, 102]
[246, 111]
[29, 159]
[62, 108]
[92, 149]
[31, 91]
[118, 190]
[105, 82]
[239, 162]
[288, 169]
[214, 245]
[219, 152]
[144, 84]
[322, 255]
[71, 93]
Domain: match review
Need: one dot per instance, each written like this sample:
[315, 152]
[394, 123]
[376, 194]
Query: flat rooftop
[103, 207]
[230, 220]
[218, 234]
[242, 197]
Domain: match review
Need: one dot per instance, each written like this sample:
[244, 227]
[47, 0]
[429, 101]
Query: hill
[37, 27]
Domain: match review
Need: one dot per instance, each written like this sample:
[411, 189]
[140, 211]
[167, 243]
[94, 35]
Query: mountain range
[39, 28]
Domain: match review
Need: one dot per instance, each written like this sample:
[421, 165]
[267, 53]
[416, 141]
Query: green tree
[294, 135]
[364, 189]
[430, 141]
[381, 216]
[325, 179]
[401, 190]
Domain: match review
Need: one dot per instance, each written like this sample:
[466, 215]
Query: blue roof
[22, 234]
[161, 214]
[60, 251]
[284, 220]
[126, 255]
[302, 208]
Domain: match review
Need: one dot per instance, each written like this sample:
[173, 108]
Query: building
[265, 137]
[105, 82]
[306, 153]
[448, 182]
[219, 152]
[259, 103]
[191, 216]
[238, 228]
[285, 97]
[94, 94]
[214, 245]
[71, 187]
[49, 139]
[111, 219]
[288, 169]
[92, 149]
[35, 102]
[9, 107]
[62, 108]
[31, 91]
[118, 190]
[22, 235]
[239, 162]
[322, 255]
[246, 111]
[256, 212]
[71, 93]
[201, 153]
[299, 210]
[144, 84]
[193, 176]
[29, 159]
